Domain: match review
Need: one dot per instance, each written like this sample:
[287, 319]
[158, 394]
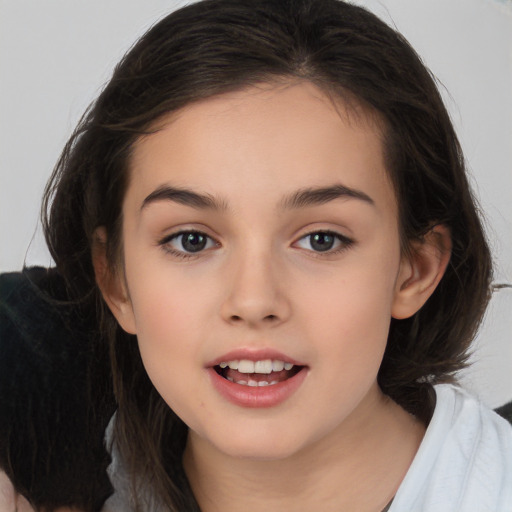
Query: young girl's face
[261, 226]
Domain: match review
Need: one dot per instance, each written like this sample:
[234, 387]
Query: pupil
[193, 242]
[322, 241]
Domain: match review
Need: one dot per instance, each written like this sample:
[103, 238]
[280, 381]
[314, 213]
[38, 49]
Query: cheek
[352, 330]
[349, 327]
[349, 313]
[169, 342]
[167, 298]
[175, 311]
[165, 313]
[167, 318]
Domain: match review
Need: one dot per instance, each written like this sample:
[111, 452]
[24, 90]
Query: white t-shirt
[464, 463]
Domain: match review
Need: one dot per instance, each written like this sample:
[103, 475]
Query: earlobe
[111, 283]
[421, 271]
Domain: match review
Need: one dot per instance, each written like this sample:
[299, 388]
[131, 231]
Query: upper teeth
[265, 366]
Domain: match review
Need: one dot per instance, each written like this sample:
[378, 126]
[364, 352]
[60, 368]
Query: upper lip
[252, 354]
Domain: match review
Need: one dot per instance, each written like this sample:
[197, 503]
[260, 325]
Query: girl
[269, 205]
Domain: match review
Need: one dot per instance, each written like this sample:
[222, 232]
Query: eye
[187, 242]
[324, 241]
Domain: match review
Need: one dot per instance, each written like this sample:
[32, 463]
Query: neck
[357, 467]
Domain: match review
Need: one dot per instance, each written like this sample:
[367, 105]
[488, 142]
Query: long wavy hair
[216, 46]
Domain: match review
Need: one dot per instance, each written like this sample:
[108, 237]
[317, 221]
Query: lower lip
[257, 396]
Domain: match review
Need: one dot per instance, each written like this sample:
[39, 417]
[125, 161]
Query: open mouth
[258, 383]
[257, 373]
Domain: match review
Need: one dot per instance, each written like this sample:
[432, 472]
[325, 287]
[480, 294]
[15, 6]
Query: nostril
[242, 318]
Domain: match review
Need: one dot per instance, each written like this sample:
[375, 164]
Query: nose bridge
[256, 293]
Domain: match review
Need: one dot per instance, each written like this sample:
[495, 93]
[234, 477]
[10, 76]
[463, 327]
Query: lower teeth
[253, 383]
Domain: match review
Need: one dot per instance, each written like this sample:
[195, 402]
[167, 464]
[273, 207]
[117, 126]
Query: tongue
[258, 377]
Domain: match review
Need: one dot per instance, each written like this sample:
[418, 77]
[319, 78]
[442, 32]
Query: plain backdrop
[55, 55]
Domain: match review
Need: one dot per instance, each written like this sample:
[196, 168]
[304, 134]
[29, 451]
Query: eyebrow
[185, 197]
[299, 199]
[317, 196]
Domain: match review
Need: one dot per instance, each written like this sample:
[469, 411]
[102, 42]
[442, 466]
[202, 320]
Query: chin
[264, 453]
[260, 444]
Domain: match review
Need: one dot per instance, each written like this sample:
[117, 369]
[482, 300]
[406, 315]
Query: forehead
[264, 141]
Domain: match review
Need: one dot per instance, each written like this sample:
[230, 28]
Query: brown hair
[216, 46]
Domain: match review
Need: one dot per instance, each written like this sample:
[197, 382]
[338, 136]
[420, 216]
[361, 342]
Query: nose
[257, 294]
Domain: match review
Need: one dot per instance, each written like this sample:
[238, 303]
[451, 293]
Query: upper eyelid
[310, 232]
[336, 227]
[320, 230]
[340, 236]
[326, 231]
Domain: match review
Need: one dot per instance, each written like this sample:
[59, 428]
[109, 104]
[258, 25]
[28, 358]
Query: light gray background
[55, 55]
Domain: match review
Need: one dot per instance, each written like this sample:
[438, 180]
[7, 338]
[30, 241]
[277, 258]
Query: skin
[337, 442]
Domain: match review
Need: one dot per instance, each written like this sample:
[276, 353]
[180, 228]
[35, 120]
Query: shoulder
[464, 462]
[9, 498]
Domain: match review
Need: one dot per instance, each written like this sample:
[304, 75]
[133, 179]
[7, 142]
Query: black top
[55, 394]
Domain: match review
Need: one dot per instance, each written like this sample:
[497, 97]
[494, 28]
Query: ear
[421, 271]
[111, 282]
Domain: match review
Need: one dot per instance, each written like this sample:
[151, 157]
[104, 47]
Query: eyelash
[164, 243]
[344, 243]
